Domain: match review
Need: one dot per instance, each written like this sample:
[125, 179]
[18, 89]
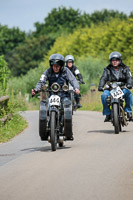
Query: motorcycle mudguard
[43, 121]
[68, 119]
[115, 101]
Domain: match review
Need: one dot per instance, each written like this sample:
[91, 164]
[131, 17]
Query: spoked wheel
[116, 122]
[53, 132]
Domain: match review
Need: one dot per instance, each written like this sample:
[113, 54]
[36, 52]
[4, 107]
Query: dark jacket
[76, 72]
[109, 75]
[62, 78]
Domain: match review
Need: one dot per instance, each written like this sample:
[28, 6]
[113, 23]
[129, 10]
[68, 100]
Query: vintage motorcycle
[55, 117]
[116, 101]
[73, 97]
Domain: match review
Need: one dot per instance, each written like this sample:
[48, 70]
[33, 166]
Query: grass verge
[12, 128]
[92, 101]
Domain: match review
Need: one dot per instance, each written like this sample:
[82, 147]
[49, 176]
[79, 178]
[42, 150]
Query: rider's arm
[128, 78]
[78, 74]
[72, 79]
[42, 80]
[103, 80]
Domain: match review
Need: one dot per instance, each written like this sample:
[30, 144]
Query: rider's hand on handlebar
[81, 82]
[100, 89]
[34, 91]
[77, 91]
[129, 86]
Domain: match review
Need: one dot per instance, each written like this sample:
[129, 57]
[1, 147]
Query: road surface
[97, 165]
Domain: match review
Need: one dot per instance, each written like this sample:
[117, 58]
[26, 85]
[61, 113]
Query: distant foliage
[10, 38]
[99, 41]
[106, 15]
[91, 70]
[28, 55]
[61, 20]
[4, 72]
[25, 83]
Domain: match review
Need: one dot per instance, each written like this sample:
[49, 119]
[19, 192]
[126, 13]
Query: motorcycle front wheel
[53, 132]
[116, 122]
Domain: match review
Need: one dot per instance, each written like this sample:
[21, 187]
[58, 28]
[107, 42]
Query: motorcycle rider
[69, 60]
[57, 73]
[119, 72]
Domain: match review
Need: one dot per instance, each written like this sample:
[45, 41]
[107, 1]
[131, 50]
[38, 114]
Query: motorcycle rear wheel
[53, 134]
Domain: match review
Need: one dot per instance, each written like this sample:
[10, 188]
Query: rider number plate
[54, 100]
[117, 93]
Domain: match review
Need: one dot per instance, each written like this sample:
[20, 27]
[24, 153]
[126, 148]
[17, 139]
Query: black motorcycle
[116, 101]
[73, 97]
[55, 117]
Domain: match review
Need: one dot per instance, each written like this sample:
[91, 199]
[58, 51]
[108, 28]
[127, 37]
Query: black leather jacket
[76, 72]
[109, 75]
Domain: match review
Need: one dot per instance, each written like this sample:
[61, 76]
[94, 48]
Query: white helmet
[69, 58]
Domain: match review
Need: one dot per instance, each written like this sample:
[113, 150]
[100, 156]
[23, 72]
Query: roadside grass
[92, 101]
[12, 128]
[17, 123]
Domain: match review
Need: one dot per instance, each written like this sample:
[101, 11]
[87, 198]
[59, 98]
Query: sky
[24, 13]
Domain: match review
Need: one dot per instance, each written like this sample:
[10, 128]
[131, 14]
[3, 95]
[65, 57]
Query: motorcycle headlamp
[65, 87]
[55, 87]
[114, 85]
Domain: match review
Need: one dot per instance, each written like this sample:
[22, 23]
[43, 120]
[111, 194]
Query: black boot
[107, 118]
[129, 116]
[79, 105]
[78, 102]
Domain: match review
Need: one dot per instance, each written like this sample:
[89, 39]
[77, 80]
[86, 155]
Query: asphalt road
[97, 165]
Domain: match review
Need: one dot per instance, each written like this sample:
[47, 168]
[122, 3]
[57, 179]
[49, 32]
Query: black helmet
[69, 58]
[57, 59]
[115, 55]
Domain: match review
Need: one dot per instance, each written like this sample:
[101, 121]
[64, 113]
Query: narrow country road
[97, 165]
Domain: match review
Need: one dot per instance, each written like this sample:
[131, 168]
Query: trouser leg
[106, 108]
[128, 100]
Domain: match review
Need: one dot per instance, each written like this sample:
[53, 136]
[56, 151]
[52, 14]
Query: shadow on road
[105, 131]
[102, 131]
[43, 149]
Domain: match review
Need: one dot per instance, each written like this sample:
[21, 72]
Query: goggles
[115, 59]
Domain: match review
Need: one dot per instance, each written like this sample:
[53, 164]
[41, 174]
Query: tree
[4, 72]
[59, 20]
[10, 38]
[106, 15]
[28, 55]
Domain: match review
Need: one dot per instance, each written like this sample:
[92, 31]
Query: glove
[100, 89]
[129, 86]
[34, 91]
[82, 82]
